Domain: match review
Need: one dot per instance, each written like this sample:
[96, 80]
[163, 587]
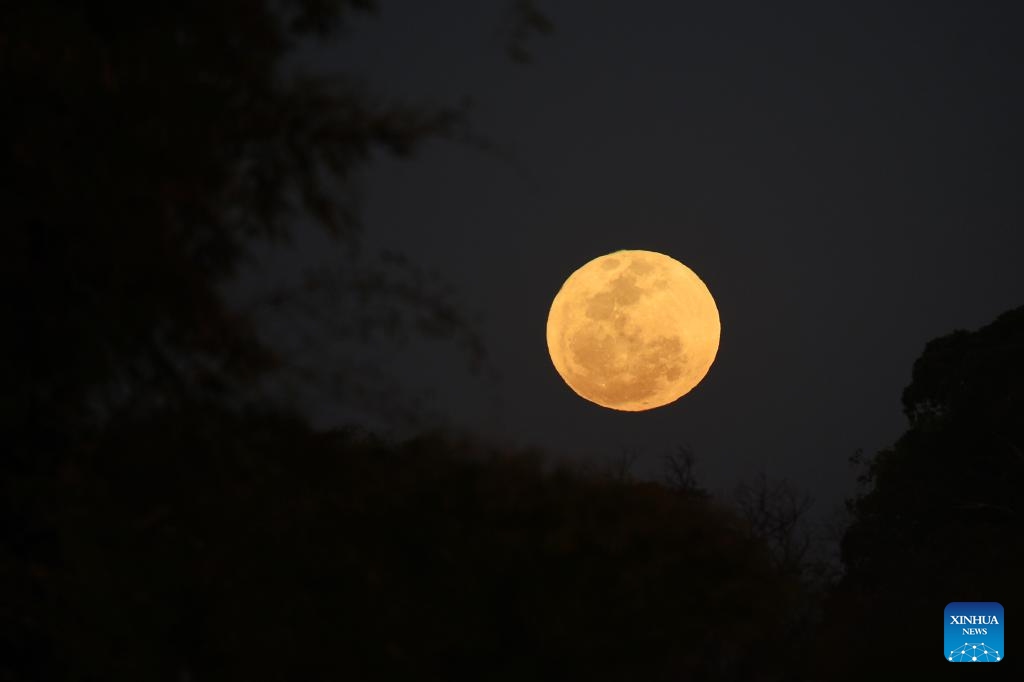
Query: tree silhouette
[680, 471]
[141, 150]
[776, 512]
[207, 544]
[939, 519]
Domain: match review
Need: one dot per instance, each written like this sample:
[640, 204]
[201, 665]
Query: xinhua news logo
[974, 632]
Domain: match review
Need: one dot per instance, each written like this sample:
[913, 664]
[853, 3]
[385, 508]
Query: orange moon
[633, 330]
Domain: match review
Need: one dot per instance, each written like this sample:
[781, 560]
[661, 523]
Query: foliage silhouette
[145, 147]
[939, 519]
[207, 544]
[142, 149]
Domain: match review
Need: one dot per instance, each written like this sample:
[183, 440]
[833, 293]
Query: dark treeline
[160, 522]
[243, 546]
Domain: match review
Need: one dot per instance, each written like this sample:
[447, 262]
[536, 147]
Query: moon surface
[633, 330]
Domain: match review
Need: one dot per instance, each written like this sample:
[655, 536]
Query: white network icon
[974, 653]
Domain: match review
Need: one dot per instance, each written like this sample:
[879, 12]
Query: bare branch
[777, 514]
[679, 468]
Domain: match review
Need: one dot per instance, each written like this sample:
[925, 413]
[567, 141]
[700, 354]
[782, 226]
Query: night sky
[845, 178]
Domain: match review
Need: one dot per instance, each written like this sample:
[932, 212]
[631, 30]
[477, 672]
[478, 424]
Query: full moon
[633, 330]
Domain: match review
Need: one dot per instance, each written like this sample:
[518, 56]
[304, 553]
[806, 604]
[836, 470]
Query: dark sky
[845, 177]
